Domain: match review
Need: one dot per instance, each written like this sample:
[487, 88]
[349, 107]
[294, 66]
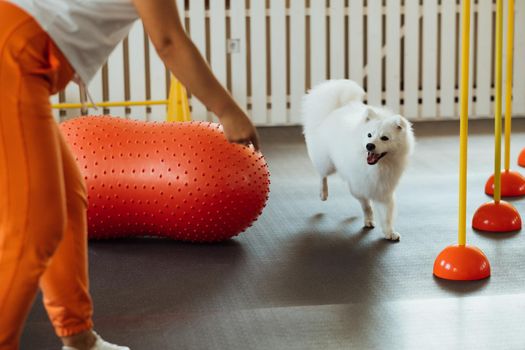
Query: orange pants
[43, 229]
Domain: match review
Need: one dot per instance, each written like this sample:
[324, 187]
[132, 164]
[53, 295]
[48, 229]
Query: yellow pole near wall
[463, 115]
[110, 104]
[178, 106]
[462, 262]
[497, 108]
[508, 85]
[498, 215]
[510, 183]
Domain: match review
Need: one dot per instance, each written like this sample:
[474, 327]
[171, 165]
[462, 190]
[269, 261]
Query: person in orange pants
[43, 229]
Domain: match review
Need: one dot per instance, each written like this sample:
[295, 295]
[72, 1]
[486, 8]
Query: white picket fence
[269, 52]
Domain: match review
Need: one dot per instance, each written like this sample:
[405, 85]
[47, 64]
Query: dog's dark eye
[384, 138]
[369, 135]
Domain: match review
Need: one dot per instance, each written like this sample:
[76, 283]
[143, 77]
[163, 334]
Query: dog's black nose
[370, 146]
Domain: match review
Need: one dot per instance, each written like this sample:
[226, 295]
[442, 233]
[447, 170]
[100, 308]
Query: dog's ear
[401, 123]
[370, 114]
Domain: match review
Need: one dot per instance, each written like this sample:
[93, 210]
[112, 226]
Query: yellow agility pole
[511, 183]
[508, 85]
[463, 128]
[497, 216]
[462, 262]
[177, 103]
[178, 106]
[110, 104]
[497, 108]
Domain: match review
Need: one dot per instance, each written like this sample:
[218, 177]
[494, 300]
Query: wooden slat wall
[430, 53]
[297, 58]
[137, 74]
[374, 54]
[448, 37]
[217, 40]
[519, 60]
[259, 110]
[411, 60]
[116, 89]
[317, 41]
[238, 59]
[197, 15]
[405, 52]
[157, 84]
[337, 39]
[393, 50]
[356, 38]
[278, 62]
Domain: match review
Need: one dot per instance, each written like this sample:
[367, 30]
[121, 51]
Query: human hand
[238, 128]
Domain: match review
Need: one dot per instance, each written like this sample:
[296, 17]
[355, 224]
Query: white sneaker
[100, 344]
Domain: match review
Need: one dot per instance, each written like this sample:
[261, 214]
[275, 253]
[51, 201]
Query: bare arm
[162, 23]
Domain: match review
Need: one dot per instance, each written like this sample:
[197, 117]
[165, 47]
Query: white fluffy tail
[326, 97]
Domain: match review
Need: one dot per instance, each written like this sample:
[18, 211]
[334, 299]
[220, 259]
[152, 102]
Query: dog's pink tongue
[372, 158]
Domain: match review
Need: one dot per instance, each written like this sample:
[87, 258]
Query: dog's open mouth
[372, 158]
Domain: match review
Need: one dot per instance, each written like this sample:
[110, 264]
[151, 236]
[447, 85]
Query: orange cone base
[462, 263]
[512, 184]
[496, 217]
[521, 158]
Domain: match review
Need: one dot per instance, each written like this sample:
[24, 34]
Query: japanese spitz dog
[368, 146]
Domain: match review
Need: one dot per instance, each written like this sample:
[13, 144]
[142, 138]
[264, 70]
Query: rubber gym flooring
[307, 276]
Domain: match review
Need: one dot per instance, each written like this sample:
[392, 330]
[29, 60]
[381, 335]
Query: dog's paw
[392, 236]
[323, 195]
[369, 223]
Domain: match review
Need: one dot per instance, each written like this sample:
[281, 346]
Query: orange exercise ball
[179, 180]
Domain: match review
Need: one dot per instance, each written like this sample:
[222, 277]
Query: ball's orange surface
[179, 180]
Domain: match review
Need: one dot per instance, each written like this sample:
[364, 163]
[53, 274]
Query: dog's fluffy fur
[368, 146]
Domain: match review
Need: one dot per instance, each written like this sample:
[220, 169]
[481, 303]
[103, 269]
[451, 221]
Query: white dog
[368, 146]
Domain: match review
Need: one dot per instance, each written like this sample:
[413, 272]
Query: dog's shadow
[328, 265]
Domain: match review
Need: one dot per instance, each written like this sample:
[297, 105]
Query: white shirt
[86, 31]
